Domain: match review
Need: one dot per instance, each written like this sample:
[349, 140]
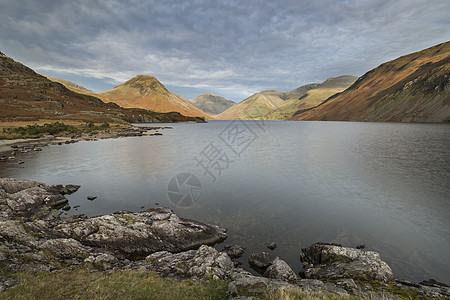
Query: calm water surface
[294, 183]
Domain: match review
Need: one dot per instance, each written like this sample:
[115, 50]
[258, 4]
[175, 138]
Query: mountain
[255, 106]
[71, 86]
[27, 96]
[275, 105]
[412, 88]
[211, 104]
[316, 94]
[145, 91]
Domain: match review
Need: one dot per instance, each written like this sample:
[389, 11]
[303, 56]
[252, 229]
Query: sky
[230, 48]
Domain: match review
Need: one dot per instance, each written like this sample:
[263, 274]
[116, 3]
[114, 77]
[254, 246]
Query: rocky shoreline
[9, 149]
[36, 236]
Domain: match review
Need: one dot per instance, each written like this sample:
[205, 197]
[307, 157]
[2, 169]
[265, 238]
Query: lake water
[385, 185]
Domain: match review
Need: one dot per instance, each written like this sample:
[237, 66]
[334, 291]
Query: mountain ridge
[412, 88]
[28, 96]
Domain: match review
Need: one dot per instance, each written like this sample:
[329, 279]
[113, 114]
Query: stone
[142, 233]
[234, 251]
[91, 198]
[70, 189]
[279, 269]
[331, 262]
[206, 262]
[261, 260]
[315, 286]
[7, 282]
[433, 283]
[272, 246]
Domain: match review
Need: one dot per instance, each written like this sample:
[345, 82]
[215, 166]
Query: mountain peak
[145, 84]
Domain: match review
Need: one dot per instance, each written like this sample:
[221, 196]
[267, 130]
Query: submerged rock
[330, 262]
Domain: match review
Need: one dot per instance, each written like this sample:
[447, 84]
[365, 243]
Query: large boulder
[202, 263]
[261, 260]
[330, 262]
[279, 269]
[142, 233]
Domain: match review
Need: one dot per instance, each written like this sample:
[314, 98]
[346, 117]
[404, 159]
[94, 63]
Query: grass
[293, 294]
[56, 128]
[82, 284]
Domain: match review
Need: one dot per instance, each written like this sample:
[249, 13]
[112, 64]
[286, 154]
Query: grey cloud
[229, 47]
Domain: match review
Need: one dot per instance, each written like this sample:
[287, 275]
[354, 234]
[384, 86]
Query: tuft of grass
[82, 284]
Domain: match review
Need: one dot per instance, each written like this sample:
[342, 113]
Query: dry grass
[293, 294]
[81, 284]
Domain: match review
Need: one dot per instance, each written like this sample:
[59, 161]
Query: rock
[65, 248]
[330, 262]
[103, 261]
[272, 246]
[234, 251]
[70, 189]
[261, 260]
[7, 282]
[433, 283]
[279, 269]
[205, 262]
[314, 286]
[29, 197]
[66, 207]
[142, 233]
[361, 246]
[91, 198]
[247, 286]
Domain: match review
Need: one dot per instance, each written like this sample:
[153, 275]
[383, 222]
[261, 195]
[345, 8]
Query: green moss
[129, 219]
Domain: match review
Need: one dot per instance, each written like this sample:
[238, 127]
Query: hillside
[312, 97]
[211, 104]
[275, 105]
[71, 86]
[145, 91]
[412, 88]
[255, 106]
[27, 96]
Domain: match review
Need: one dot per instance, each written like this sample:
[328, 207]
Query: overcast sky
[231, 48]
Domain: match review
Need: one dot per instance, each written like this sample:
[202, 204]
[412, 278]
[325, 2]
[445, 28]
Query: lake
[384, 185]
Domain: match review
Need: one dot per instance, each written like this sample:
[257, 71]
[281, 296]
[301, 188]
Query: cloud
[232, 47]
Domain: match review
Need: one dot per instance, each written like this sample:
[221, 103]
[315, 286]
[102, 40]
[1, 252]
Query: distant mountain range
[211, 104]
[412, 88]
[275, 105]
[27, 96]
